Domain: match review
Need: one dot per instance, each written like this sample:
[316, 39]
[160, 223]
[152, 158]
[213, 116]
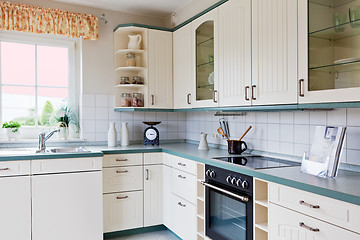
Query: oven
[228, 205]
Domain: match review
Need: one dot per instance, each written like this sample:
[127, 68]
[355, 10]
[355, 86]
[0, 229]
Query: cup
[354, 16]
[236, 147]
[339, 19]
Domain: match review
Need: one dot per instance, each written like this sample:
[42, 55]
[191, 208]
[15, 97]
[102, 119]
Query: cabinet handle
[182, 177]
[121, 160]
[214, 96]
[122, 197]
[308, 204]
[182, 164]
[253, 97]
[301, 88]
[147, 174]
[247, 93]
[152, 99]
[182, 205]
[189, 98]
[4, 169]
[124, 171]
[303, 225]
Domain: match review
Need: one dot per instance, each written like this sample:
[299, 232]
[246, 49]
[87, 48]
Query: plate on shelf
[347, 60]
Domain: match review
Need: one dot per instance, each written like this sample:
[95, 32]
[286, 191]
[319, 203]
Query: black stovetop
[258, 162]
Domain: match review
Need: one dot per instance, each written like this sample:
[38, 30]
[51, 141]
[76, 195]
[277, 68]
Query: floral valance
[27, 18]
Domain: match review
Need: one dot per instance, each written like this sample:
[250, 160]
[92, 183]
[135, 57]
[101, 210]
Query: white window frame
[74, 45]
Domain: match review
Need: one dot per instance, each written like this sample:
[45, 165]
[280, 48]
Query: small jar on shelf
[126, 100]
[137, 80]
[130, 60]
[124, 80]
[138, 100]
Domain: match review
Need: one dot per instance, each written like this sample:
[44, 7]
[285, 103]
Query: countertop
[344, 187]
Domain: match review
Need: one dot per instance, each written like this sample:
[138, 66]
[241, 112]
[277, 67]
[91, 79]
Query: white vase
[112, 135]
[63, 133]
[11, 135]
[124, 135]
[203, 142]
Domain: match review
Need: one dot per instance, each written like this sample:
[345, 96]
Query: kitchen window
[38, 78]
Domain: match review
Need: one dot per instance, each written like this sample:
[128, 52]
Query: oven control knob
[207, 173]
[239, 182]
[233, 181]
[245, 184]
[212, 174]
[228, 179]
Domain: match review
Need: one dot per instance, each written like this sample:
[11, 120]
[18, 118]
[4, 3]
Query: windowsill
[29, 143]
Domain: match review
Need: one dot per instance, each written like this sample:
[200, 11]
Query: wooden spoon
[221, 131]
[245, 133]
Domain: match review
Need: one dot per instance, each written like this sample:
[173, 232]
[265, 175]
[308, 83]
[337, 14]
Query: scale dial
[151, 134]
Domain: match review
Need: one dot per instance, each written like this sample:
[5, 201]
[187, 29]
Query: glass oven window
[227, 216]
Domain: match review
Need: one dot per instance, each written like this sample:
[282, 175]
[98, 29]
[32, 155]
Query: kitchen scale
[151, 134]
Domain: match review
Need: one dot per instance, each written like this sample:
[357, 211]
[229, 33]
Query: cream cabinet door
[285, 224]
[183, 65]
[274, 52]
[160, 70]
[153, 195]
[167, 206]
[15, 208]
[235, 53]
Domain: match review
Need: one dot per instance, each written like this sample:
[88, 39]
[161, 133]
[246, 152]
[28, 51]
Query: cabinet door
[205, 56]
[167, 206]
[153, 195]
[183, 65]
[67, 206]
[235, 53]
[15, 208]
[274, 52]
[160, 69]
[285, 224]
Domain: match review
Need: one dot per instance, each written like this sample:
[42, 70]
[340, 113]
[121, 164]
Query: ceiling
[153, 8]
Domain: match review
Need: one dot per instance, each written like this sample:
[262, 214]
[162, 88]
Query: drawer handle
[308, 205]
[182, 164]
[122, 197]
[303, 225]
[4, 169]
[147, 174]
[182, 177]
[121, 160]
[124, 171]
[181, 205]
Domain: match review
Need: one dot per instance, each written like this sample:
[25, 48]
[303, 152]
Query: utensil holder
[236, 147]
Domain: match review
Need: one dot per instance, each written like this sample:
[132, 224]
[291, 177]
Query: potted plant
[12, 129]
[64, 117]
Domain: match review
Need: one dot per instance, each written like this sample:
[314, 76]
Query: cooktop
[258, 162]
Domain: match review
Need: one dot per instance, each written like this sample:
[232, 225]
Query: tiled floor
[158, 235]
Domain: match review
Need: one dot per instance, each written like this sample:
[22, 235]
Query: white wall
[98, 55]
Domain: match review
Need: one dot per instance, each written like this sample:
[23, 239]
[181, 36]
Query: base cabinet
[285, 224]
[15, 205]
[167, 210]
[153, 195]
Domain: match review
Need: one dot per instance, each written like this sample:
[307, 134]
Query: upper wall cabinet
[329, 51]
[160, 69]
[205, 56]
[182, 65]
[274, 52]
[234, 77]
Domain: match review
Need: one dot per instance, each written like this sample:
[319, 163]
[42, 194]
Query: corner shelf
[129, 85]
[124, 51]
[330, 34]
[200, 199]
[130, 69]
[261, 206]
[262, 226]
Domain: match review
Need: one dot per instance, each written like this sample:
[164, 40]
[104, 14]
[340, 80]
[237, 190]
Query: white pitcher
[203, 145]
[134, 42]
[112, 135]
[124, 135]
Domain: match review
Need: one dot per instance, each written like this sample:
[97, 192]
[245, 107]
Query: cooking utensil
[245, 133]
[225, 126]
[221, 131]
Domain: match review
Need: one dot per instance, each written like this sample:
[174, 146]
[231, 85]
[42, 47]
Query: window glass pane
[50, 100]
[17, 63]
[52, 66]
[18, 104]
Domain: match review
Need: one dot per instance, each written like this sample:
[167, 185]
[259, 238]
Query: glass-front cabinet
[205, 56]
[333, 51]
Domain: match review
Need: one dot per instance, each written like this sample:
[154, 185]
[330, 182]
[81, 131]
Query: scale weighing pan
[152, 123]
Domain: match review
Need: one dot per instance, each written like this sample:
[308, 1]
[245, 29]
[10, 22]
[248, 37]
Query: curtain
[32, 19]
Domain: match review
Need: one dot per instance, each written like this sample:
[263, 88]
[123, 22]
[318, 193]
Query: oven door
[228, 213]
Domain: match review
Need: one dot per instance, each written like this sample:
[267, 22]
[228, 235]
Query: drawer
[337, 212]
[286, 224]
[183, 185]
[184, 218]
[121, 179]
[14, 168]
[184, 164]
[153, 158]
[118, 160]
[65, 165]
[123, 211]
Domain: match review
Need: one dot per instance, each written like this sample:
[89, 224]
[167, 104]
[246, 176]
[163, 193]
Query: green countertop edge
[50, 156]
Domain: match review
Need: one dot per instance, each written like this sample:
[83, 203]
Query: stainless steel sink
[67, 150]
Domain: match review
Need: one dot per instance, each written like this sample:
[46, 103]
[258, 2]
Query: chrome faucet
[43, 138]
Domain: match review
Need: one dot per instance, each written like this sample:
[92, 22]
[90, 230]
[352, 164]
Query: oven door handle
[242, 198]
